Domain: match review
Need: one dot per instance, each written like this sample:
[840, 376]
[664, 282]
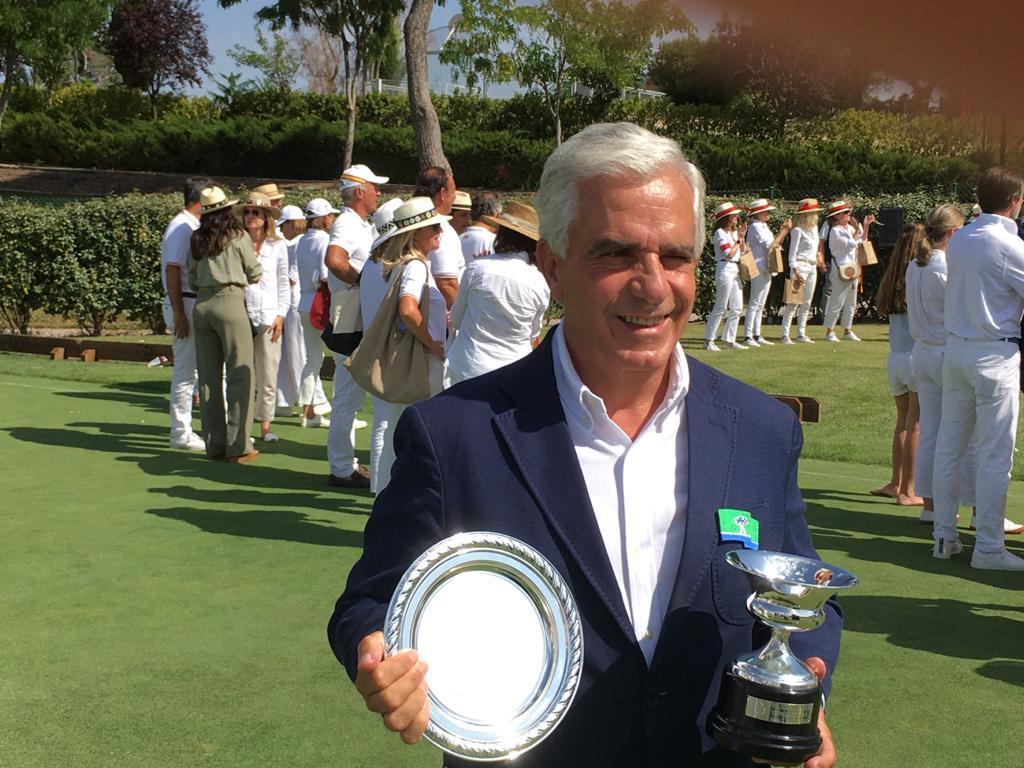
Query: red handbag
[320, 312]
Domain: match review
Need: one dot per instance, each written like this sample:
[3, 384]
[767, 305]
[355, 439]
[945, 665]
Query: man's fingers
[396, 695]
[371, 678]
[402, 718]
[817, 665]
[413, 733]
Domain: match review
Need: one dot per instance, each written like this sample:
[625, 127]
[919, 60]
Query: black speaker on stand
[891, 220]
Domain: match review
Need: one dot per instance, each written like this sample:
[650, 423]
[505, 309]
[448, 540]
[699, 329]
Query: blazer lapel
[540, 445]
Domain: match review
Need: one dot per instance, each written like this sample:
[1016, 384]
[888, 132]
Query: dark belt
[1012, 339]
[187, 295]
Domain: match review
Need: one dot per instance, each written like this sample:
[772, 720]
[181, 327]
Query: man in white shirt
[349, 248]
[446, 261]
[461, 206]
[178, 303]
[478, 239]
[981, 370]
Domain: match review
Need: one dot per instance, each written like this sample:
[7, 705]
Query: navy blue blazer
[494, 453]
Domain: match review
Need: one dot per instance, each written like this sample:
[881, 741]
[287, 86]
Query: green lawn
[161, 610]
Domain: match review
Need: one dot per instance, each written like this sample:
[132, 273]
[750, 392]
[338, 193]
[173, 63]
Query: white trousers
[348, 398]
[314, 347]
[392, 413]
[926, 363]
[842, 301]
[810, 281]
[980, 394]
[759, 287]
[293, 358]
[728, 298]
[380, 426]
[184, 377]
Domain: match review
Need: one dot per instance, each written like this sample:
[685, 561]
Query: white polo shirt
[760, 239]
[926, 300]
[176, 245]
[354, 234]
[446, 260]
[477, 242]
[985, 289]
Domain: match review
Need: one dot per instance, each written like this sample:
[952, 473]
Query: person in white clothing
[844, 235]
[729, 245]
[179, 301]
[446, 261]
[502, 299]
[478, 239]
[309, 260]
[349, 248]
[981, 370]
[461, 211]
[803, 268]
[761, 243]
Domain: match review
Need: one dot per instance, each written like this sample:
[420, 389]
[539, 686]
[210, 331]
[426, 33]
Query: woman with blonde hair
[844, 235]
[891, 300]
[729, 244]
[803, 268]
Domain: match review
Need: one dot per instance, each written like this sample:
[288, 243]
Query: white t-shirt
[355, 235]
[371, 291]
[477, 242]
[309, 260]
[446, 260]
[271, 296]
[498, 312]
[414, 277]
[760, 239]
[926, 300]
[176, 245]
[724, 242]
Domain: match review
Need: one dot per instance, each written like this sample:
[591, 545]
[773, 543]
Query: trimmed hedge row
[94, 260]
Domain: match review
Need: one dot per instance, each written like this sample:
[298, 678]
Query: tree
[35, 35]
[426, 127]
[353, 23]
[276, 59]
[158, 44]
[602, 44]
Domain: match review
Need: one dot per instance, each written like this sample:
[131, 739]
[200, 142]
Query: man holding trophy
[621, 462]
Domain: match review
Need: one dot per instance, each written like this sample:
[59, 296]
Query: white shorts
[901, 377]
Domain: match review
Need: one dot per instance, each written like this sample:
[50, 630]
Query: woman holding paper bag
[844, 235]
[761, 242]
[729, 246]
[803, 269]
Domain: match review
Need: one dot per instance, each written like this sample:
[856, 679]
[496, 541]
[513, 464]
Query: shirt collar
[192, 217]
[994, 218]
[346, 211]
[579, 401]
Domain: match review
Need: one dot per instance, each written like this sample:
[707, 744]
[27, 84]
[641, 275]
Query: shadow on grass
[330, 502]
[263, 524]
[946, 627]
[149, 395]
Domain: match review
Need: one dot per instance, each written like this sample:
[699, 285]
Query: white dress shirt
[477, 242]
[498, 313]
[803, 251]
[309, 260]
[638, 489]
[175, 247]
[271, 296]
[760, 239]
[985, 290]
[843, 242]
[926, 300]
[446, 260]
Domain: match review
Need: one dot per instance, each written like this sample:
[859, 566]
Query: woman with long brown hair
[221, 264]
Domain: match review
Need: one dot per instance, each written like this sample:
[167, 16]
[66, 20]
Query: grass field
[162, 610]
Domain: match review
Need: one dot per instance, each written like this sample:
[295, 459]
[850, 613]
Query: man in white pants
[179, 300]
[981, 370]
[349, 248]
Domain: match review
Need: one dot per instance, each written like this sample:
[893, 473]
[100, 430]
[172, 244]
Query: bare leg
[907, 497]
[892, 488]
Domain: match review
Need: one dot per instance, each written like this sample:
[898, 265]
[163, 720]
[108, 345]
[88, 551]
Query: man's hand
[395, 688]
[275, 329]
[825, 757]
[180, 325]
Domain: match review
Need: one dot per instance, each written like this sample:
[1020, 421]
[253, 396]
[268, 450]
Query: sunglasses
[252, 212]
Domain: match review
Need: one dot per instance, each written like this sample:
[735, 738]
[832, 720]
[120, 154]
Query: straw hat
[462, 201]
[519, 217]
[257, 200]
[270, 191]
[358, 175]
[384, 220]
[725, 209]
[414, 213]
[839, 206]
[761, 205]
[318, 207]
[808, 205]
[975, 210]
[213, 199]
[290, 213]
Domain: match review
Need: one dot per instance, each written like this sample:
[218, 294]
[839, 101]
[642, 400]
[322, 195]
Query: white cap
[318, 207]
[359, 174]
[290, 213]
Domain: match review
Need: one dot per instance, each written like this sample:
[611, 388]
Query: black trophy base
[764, 722]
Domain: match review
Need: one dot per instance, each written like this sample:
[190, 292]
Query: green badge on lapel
[737, 525]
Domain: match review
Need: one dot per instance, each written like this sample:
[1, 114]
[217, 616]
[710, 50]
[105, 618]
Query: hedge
[94, 260]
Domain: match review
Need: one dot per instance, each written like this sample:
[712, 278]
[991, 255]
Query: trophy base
[764, 722]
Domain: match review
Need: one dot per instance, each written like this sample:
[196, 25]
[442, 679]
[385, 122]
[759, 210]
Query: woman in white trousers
[729, 244]
[761, 242]
[803, 268]
[843, 239]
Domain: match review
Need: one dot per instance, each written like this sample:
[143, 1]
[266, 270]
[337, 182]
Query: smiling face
[427, 239]
[627, 281]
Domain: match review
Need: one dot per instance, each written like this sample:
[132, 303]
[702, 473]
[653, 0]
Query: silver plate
[501, 636]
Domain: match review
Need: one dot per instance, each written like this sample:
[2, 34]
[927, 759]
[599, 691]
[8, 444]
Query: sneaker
[360, 478]
[808, 340]
[322, 409]
[943, 550]
[830, 336]
[192, 442]
[751, 342]
[710, 346]
[850, 336]
[316, 421]
[1003, 560]
[764, 342]
[270, 437]
[786, 340]
[734, 345]
[358, 423]
[1009, 527]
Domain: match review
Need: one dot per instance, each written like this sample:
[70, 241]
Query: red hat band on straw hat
[808, 205]
[725, 209]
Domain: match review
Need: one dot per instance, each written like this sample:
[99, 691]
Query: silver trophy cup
[769, 700]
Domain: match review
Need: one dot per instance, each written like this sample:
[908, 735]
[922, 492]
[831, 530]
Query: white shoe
[322, 409]
[786, 340]
[270, 437]
[1009, 527]
[192, 442]
[830, 336]
[316, 421]
[764, 342]
[751, 342]
[943, 550]
[710, 346]
[805, 339]
[1003, 560]
[850, 336]
[358, 423]
[734, 345]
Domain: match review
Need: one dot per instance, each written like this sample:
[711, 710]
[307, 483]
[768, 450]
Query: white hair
[348, 194]
[619, 150]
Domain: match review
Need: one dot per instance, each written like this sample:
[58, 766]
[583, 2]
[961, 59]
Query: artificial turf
[161, 610]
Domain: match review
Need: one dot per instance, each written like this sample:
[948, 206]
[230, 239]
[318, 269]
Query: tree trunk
[350, 125]
[10, 57]
[425, 125]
